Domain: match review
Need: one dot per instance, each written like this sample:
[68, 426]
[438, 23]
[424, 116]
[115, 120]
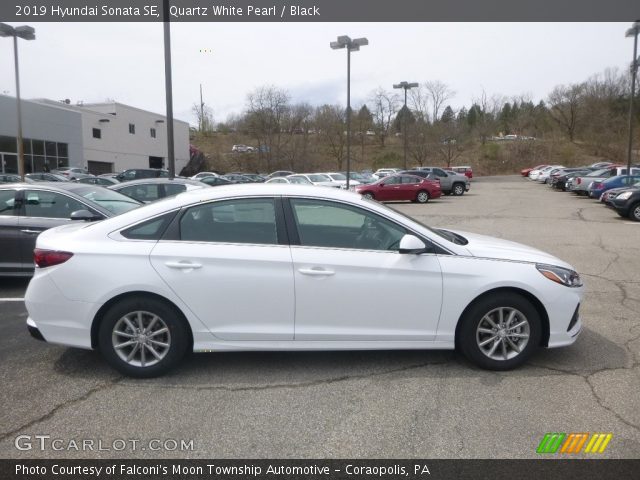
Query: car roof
[145, 181]
[53, 186]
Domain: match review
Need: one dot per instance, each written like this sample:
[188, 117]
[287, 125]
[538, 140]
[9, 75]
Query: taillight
[579, 181]
[596, 185]
[49, 258]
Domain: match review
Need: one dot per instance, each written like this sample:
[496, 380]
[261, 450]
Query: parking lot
[403, 404]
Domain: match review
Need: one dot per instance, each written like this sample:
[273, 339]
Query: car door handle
[316, 272]
[31, 232]
[183, 265]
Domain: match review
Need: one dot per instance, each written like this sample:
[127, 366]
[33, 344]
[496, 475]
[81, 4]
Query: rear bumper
[33, 330]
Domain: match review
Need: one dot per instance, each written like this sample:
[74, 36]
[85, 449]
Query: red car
[468, 171]
[525, 171]
[401, 187]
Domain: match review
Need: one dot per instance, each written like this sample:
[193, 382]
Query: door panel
[230, 269]
[10, 257]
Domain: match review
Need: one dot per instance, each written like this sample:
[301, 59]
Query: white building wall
[127, 150]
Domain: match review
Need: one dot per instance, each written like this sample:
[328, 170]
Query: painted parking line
[16, 299]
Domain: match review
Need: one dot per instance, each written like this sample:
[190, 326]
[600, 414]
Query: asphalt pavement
[402, 404]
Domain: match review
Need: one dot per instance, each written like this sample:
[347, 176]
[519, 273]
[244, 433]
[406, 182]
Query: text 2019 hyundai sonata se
[150, 284]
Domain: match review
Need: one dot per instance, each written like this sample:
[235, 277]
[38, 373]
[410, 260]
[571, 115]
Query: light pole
[27, 33]
[632, 32]
[171, 159]
[406, 86]
[352, 46]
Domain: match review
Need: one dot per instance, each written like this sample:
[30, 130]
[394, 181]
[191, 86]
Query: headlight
[624, 195]
[563, 276]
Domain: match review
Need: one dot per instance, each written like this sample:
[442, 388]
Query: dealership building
[102, 137]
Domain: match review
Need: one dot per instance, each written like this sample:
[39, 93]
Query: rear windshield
[110, 200]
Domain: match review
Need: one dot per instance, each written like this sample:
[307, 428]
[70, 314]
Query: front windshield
[114, 202]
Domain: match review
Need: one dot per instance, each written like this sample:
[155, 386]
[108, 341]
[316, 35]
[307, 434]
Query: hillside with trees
[576, 124]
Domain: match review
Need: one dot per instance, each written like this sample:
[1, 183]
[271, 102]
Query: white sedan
[195, 271]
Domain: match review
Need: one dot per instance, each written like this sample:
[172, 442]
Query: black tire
[176, 336]
[634, 212]
[458, 189]
[470, 337]
[422, 196]
[369, 195]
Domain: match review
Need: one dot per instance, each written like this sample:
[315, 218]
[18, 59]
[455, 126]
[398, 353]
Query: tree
[330, 121]
[204, 114]
[438, 94]
[398, 122]
[565, 107]
[385, 105]
[448, 115]
[363, 122]
[267, 108]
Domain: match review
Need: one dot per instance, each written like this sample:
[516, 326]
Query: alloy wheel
[141, 339]
[503, 333]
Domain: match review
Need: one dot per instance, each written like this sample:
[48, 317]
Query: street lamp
[352, 46]
[632, 32]
[168, 90]
[406, 86]
[26, 33]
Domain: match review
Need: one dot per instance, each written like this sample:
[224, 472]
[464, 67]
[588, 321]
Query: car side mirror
[85, 215]
[412, 244]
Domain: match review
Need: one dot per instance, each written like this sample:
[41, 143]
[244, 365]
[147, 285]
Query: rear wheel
[143, 337]
[500, 332]
[422, 196]
[458, 189]
[634, 212]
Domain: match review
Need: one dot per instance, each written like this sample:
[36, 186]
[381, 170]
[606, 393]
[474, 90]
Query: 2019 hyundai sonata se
[150, 284]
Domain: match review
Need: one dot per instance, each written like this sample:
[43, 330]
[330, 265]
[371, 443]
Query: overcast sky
[93, 62]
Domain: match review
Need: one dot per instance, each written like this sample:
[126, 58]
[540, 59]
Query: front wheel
[458, 189]
[368, 195]
[422, 197]
[500, 332]
[142, 337]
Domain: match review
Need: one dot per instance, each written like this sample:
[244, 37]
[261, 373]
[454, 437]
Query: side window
[174, 189]
[149, 230]
[7, 202]
[335, 225]
[409, 180]
[439, 173]
[50, 204]
[129, 175]
[142, 193]
[232, 221]
[392, 181]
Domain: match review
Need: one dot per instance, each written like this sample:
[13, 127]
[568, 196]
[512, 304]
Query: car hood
[491, 247]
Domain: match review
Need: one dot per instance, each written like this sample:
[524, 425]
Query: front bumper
[33, 330]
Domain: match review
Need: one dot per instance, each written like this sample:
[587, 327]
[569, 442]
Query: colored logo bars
[573, 443]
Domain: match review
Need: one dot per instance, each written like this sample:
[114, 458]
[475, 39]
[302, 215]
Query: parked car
[596, 189]
[609, 195]
[341, 178]
[383, 172]
[361, 177]
[254, 177]
[292, 179]
[545, 174]
[206, 252]
[141, 173]
[450, 183]
[467, 171]
[214, 181]
[243, 149]
[104, 181]
[401, 187]
[200, 175]
[236, 178]
[580, 185]
[47, 177]
[534, 174]
[72, 173]
[526, 171]
[627, 204]
[153, 189]
[320, 179]
[9, 178]
[559, 180]
[279, 173]
[27, 209]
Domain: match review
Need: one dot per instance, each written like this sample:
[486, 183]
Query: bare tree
[418, 100]
[438, 93]
[565, 107]
[267, 108]
[384, 107]
[331, 125]
[204, 114]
